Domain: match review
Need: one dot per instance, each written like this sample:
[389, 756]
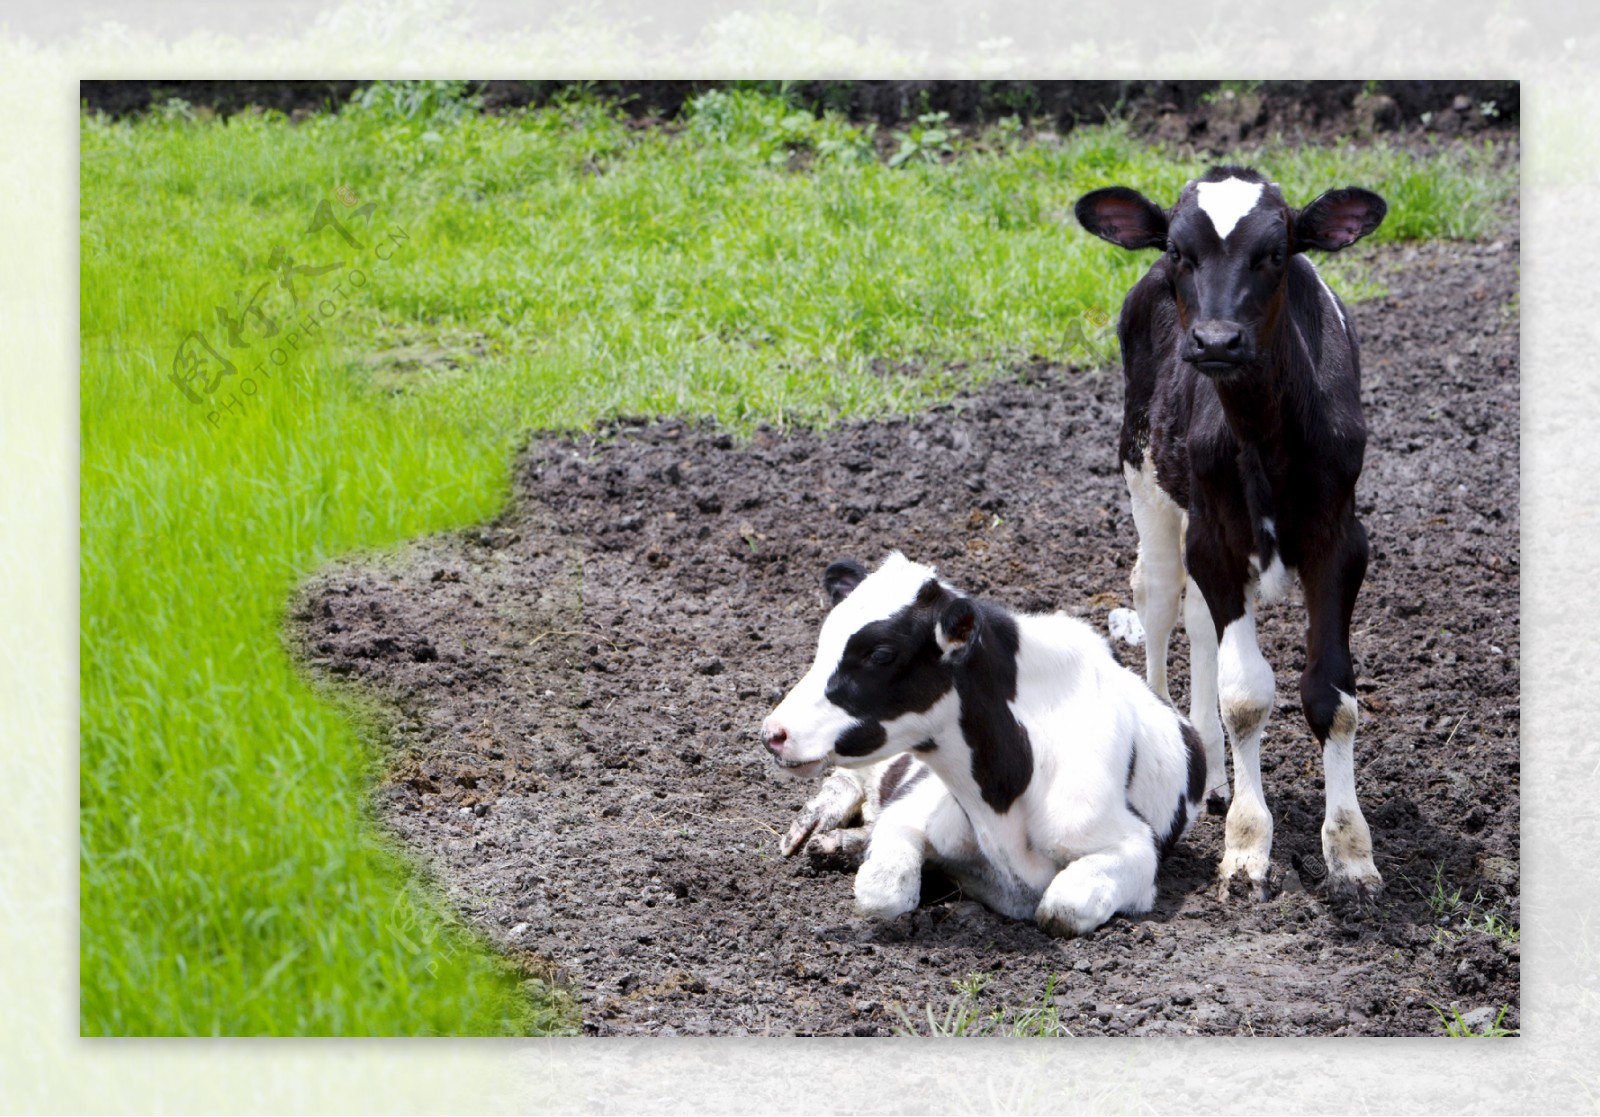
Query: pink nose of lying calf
[774, 734]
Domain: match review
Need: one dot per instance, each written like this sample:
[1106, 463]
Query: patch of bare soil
[576, 690]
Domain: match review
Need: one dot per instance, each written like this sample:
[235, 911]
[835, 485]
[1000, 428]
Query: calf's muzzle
[1217, 346]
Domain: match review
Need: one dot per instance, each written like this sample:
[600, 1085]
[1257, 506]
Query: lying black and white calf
[1061, 778]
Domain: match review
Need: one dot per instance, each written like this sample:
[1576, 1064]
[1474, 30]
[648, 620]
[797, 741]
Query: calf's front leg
[1119, 878]
[889, 882]
[837, 801]
[1246, 684]
[926, 824]
[1244, 690]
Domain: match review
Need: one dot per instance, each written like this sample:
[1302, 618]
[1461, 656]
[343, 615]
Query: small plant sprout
[963, 1017]
[1446, 906]
[1458, 1027]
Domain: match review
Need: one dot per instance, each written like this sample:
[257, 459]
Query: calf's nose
[1218, 341]
[774, 734]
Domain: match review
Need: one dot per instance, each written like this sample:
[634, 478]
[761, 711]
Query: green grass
[963, 1016]
[1457, 1028]
[1457, 915]
[557, 267]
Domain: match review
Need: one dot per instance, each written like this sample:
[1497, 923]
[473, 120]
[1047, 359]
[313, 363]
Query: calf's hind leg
[1327, 695]
[839, 799]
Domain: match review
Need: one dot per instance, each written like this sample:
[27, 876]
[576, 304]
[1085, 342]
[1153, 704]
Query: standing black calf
[1242, 439]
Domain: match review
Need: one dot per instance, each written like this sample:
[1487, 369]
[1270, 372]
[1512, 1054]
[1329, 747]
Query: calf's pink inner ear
[1122, 216]
[957, 625]
[1339, 218]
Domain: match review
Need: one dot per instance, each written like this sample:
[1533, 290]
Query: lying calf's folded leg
[1089, 891]
[835, 803]
[925, 825]
[889, 882]
[849, 843]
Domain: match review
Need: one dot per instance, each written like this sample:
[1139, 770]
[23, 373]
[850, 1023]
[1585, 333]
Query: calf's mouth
[799, 767]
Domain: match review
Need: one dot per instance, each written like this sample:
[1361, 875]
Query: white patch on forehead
[1227, 202]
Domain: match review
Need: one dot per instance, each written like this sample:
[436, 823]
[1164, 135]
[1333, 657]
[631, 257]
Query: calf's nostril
[776, 738]
[1214, 342]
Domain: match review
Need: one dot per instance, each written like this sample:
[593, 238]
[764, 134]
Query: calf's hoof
[1246, 876]
[836, 802]
[1076, 907]
[885, 889]
[1060, 926]
[799, 831]
[1347, 848]
[1247, 850]
[1363, 886]
[1066, 923]
[1243, 887]
[837, 850]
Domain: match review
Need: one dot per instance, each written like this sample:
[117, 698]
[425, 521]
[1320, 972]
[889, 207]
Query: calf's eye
[882, 655]
[1275, 257]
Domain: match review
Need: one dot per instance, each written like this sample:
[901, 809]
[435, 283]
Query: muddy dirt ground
[574, 692]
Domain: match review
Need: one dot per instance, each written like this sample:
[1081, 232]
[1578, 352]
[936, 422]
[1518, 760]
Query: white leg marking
[1246, 683]
[1093, 888]
[1158, 572]
[1346, 841]
[1203, 710]
[1273, 583]
[889, 882]
[949, 830]
[851, 843]
[954, 847]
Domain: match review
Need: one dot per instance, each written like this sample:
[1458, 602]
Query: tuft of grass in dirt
[963, 1016]
[1458, 1028]
[1457, 915]
[402, 290]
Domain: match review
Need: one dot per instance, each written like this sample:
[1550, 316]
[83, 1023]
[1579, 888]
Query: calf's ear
[1124, 217]
[958, 629]
[1338, 218]
[841, 577]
